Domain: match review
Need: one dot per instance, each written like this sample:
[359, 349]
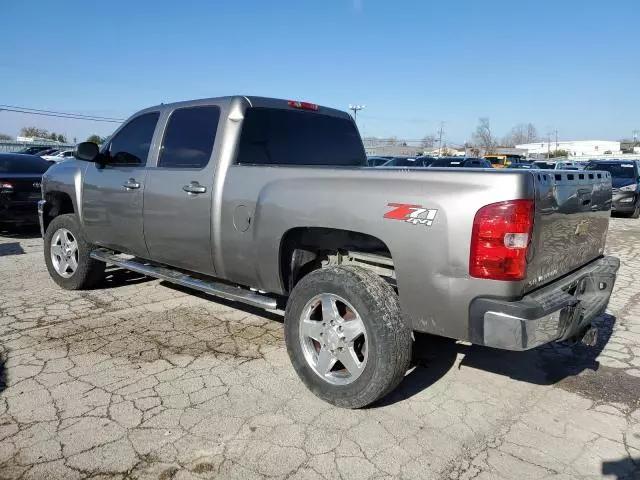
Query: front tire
[66, 254]
[636, 212]
[346, 336]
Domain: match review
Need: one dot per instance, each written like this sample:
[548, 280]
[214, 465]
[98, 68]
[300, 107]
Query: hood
[617, 182]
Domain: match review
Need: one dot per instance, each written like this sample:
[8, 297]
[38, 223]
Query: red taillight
[499, 241]
[303, 105]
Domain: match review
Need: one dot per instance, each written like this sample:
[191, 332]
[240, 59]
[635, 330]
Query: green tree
[97, 139]
[53, 136]
[34, 132]
[62, 138]
[558, 153]
[4, 136]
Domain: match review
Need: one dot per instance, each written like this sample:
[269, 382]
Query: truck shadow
[118, 277]
[623, 469]
[11, 248]
[433, 357]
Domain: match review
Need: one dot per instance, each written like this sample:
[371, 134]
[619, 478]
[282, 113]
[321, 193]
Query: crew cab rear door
[178, 195]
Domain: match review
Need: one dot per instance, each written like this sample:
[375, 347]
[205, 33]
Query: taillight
[303, 105]
[499, 241]
[5, 187]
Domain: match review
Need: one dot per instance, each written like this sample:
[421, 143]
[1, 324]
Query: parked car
[625, 178]
[32, 150]
[561, 165]
[20, 179]
[526, 166]
[362, 256]
[376, 161]
[409, 162]
[464, 162]
[59, 155]
[48, 151]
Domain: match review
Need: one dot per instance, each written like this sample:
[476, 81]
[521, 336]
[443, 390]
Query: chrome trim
[211, 287]
[41, 204]
[514, 333]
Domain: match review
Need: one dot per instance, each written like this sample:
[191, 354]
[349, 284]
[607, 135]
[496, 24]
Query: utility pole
[355, 109]
[556, 139]
[440, 133]
[635, 137]
[548, 145]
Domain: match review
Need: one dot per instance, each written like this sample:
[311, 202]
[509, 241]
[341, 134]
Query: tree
[53, 136]
[4, 136]
[34, 132]
[392, 140]
[62, 138]
[97, 139]
[521, 133]
[483, 138]
[558, 153]
[428, 141]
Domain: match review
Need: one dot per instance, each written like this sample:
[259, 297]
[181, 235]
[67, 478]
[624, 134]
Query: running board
[218, 289]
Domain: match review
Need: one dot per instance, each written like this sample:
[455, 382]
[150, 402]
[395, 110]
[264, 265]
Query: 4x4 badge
[414, 214]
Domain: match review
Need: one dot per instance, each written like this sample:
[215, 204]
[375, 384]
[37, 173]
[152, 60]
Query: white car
[59, 156]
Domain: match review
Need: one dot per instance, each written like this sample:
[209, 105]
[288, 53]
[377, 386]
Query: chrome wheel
[64, 253]
[333, 339]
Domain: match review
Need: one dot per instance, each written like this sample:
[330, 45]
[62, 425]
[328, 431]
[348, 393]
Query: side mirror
[87, 151]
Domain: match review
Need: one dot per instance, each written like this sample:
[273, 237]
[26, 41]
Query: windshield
[545, 165]
[617, 170]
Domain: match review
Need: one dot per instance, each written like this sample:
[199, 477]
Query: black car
[625, 180]
[20, 179]
[409, 162]
[33, 150]
[526, 166]
[464, 162]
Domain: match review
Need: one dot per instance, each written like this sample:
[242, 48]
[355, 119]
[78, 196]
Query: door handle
[194, 188]
[131, 184]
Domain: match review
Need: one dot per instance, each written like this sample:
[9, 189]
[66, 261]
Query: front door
[178, 197]
[112, 193]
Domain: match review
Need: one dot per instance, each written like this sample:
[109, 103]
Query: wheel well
[305, 249]
[58, 203]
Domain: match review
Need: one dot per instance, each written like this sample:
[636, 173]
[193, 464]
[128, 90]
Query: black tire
[389, 341]
[90, 272]
[636, 212]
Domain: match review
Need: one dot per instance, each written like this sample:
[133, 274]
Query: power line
[50, 113]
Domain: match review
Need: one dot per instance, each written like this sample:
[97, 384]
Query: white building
[576, 148]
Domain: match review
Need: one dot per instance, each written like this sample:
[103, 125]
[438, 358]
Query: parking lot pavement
[142, 380]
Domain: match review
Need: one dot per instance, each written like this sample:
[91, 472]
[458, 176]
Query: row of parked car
[49, 154]
[625, 174]
[467, 162]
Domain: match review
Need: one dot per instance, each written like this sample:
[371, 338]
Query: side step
[218, 289]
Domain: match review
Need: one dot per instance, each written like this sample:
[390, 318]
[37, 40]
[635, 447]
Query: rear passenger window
[290, 137]
[189, 137]
[131, 144]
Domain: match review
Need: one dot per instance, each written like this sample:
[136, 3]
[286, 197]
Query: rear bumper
[18, 211]
[556, 312]
[623, 202]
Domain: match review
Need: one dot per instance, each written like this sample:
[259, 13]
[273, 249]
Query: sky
[566, 65]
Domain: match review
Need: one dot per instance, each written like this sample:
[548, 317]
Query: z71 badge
[415, 214]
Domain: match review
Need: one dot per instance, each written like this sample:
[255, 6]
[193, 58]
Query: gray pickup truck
[269, 202]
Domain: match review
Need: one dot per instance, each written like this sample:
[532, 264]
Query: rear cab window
[273, 136]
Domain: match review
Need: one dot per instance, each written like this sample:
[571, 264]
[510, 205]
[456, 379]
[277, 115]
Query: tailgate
[570, 227]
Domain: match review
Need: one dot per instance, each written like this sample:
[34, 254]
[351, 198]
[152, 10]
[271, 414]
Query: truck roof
[263, 102]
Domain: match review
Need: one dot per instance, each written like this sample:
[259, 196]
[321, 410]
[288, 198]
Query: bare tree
[4, 136]
[521, 133]
[428, 141]
[482, 136]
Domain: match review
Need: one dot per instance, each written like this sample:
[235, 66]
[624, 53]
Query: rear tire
[66, 253]
[636, 212]
[367, 309]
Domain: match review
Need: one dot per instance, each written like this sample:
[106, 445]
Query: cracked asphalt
[143, 380]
